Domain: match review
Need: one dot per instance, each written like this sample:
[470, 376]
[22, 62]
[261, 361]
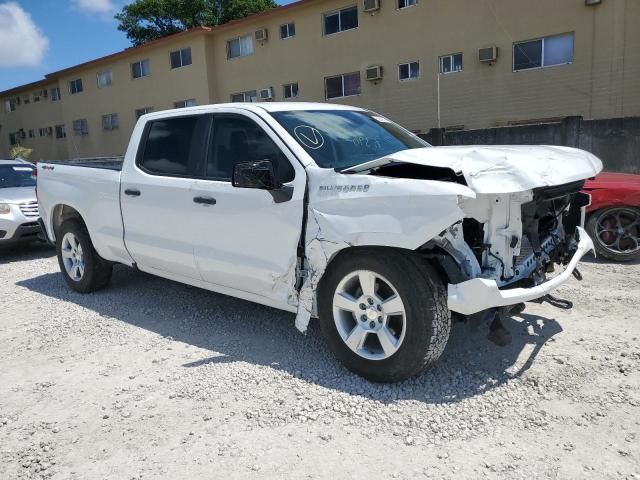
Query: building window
[543, 52]
[451, 63]
[185, 103]
[287, 30]
[75, 86]
[60, 131]
[290, 90]
[43, 132]
[110, 122]
[250, 96]
[81, 127]
[140, 69]
[341, 20]
[55, 94]
[408, 71]
[346, 85]
[406, 3]
[143, 111]
[105, 79]
[10, 105]
[180, 58]
[13, 139]
[37, 96]
[32, 133]
[240, 47]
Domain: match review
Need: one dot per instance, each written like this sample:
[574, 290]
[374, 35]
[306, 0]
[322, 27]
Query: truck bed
[106, 163]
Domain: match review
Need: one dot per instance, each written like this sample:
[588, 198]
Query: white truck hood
[500, 169]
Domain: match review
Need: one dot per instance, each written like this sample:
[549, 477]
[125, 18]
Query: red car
[613, 218]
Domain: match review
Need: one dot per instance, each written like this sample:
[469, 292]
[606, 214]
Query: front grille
[29, 209]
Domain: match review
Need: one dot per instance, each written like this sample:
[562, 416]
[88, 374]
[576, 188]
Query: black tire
[427, 322]
[609, 251]
[97, 271]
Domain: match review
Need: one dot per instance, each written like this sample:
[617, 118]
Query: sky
[41, 36]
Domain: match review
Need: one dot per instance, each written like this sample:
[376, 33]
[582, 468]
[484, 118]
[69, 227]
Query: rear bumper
[480, 294]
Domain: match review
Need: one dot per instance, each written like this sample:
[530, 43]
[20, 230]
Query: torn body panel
[360, 210]
[419, 199]
[500, 169]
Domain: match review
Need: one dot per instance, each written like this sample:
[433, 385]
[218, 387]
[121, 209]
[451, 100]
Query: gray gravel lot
[153, 379]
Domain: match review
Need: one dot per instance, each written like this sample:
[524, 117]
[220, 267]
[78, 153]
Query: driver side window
[237, 138]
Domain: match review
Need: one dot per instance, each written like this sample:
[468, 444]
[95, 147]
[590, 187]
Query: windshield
[343, 138]
[16, 176]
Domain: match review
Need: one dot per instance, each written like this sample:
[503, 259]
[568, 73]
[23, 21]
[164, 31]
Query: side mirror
[258, 174]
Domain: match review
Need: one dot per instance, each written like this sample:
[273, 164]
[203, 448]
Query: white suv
[18, 204]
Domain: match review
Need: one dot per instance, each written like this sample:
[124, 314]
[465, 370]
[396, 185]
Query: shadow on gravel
[603, 261]
[26, 252]
[238, 331]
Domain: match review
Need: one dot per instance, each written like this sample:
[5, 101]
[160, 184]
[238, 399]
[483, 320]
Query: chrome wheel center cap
[372, 313]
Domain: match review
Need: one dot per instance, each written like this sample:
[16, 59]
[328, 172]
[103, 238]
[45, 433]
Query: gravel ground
[153, 379]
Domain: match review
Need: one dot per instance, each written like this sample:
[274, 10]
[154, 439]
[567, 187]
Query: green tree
[145, 20]
[21, 152]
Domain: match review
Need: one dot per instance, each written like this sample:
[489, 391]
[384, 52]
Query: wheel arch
[60, 214]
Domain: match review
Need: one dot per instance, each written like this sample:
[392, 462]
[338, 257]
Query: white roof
[254, 107]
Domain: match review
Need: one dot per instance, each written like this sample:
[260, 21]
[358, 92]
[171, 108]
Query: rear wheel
[81, 266]
[384, 314]
[616, 232]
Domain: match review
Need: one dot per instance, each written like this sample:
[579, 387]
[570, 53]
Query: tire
[615, 232]
[418, 336]
[95, 272]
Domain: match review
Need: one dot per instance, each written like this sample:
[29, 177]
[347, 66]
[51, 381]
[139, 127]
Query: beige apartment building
[459, 64]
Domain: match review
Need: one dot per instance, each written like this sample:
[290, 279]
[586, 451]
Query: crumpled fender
[365, 210]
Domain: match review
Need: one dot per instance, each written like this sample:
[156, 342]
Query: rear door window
[237, 138]
[175, 146]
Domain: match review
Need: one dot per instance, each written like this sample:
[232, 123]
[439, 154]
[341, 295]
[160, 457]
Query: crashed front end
[513, 244]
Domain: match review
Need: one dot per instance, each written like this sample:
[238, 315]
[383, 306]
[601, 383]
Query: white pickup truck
[327, 211]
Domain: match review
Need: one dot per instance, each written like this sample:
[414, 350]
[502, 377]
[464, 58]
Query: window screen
[174, 146]
[543, 52]
[238, 139]
[527, 55]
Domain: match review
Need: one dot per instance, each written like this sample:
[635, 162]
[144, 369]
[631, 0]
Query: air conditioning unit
[261, 35]
[374, 73]
[370, 5]
[488, 54]
[266, 93]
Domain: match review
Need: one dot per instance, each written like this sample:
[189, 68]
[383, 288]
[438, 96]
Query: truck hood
[500, 169]
[17, 195]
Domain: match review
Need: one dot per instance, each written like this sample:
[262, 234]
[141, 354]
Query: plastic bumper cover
[479, 294]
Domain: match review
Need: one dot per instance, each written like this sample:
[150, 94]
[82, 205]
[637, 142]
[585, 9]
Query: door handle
[205, 200]
[132, 192]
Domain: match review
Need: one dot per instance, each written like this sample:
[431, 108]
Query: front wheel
[616, 233]
[81, 266]
[384, 313]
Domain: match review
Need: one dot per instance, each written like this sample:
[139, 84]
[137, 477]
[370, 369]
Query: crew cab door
[157, 195]
[247, 240]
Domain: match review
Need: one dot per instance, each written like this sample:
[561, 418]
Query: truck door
[157, 195]
[248, 239]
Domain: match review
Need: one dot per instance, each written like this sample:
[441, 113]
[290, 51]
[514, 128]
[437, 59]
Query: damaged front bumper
[480, 294]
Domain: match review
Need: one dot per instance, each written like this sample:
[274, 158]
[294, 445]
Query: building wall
[124, 96]
[603, 81]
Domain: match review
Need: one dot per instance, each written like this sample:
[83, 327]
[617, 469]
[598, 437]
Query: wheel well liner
[60, 214]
